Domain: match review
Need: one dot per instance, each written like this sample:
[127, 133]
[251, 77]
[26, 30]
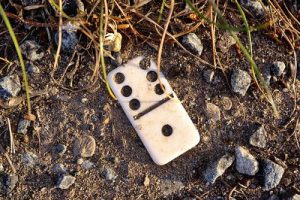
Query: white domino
[161, 122]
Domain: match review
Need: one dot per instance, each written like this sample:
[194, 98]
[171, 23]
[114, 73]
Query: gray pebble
[258, 138]
[10, 86]
[59, 168]
[208, 75]
[117, 61]
[87, 164]
[245, 162]
[108, 173]
[193, 42]
[217, 168]
[65, 181]
[32, 50]
[169, 187]
[272, 174]
[277, 68]
[23, 126]
[69, 38]
[254, 6]
[60, 149]
[31, 2]
[32, 69]
[29, 159]
[240, 81]
[10, 182]
[213, 112]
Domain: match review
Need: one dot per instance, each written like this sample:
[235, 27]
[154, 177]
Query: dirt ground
[63, 116]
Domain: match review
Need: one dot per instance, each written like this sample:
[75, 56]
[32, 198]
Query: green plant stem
[161, 10]
[17, 47]
[101, 41]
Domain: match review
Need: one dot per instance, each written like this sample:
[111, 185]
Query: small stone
[1, 168]
[117, 61]
[225, 42]
[277, 68]
[29, 159]
[208, 75]
[10, 86]
[69, 37]
[295, 197]
[240, 81]
[79, 161]
[84, 146]
[108, 173]
[217, 168]
[193, 42]
[32, 69]
[31, 2]
[245, 162]
[59, 168]
[32, 50]
[146, 181]
[226, 103]
[272, 174]
[169, 187]
[84, 100]
[10, 182]
[65, 181]
[213, 112]
[87, 164]
[255, 6]
[23, 126]
[258, 138]
[60, 149]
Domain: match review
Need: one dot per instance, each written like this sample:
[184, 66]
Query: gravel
[23, 126]
[169, 187]
[218, 167]
[69, 38]
[10, 182]
[29, 159]
[87, 164]
[60, 149]
[10, 86]
[193, 42]
[84, 146]
[272, 174]
[240, 81]
[277, 68]
[258, 138]
[108, 173]
[213, 112]
[65, 181]
[59, 168]
[32, 50]
[245, 162]
[254, 6]
[225, 42]
[208, 75]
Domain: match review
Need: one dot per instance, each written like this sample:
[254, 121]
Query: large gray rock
[31, 50]
[258, 138]
[272, 174]
[240, 81]
[245, 162]
[217, 168]
[193, 42]
[65, 181]
[10, 86]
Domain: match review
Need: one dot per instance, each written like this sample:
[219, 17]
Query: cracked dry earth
[119, 167]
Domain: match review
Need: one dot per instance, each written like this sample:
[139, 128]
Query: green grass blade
[15, 41]
[161, 10]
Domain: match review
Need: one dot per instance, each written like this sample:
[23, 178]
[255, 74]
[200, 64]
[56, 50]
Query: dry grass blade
[59, 38]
